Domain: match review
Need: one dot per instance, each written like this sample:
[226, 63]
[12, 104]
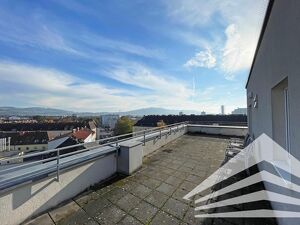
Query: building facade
[273, 85]
[239, 111]
[222, 110]
[109, 121]
[24, 141]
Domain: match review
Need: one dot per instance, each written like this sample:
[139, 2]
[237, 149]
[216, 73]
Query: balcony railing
[54, 160]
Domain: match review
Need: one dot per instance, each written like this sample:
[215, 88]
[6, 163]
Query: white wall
[140, 128]
[278, 57]
[31, 199]
[153, 144]
[218, 130]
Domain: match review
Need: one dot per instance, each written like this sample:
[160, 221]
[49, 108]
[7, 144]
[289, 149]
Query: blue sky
[122, 55]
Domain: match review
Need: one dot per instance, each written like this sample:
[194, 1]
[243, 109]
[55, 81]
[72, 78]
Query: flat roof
[154, 194]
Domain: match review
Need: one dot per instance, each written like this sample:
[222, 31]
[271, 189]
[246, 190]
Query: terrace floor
[154, 194]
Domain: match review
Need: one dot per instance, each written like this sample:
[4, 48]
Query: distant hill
[39, 111]
[157, 111]
[32, 111]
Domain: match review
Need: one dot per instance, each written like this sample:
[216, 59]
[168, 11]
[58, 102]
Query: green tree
[123, 126]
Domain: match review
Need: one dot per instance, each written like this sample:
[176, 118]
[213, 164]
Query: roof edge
[262, 32]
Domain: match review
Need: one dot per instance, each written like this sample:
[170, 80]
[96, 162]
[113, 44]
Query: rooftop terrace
[153, 194]
[163, 165]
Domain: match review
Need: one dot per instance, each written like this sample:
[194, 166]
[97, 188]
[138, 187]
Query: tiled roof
[43, 126]
[151, 120]
[26, 138]
[81, 134]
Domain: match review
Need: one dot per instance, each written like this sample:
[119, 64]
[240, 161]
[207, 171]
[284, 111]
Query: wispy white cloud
[38, 34]
[242, 21]
[42, 86]
[33, 33]
[236, 54]
[37, 86]
[144, 77]
[52, 88]
[204, 59]
[193, 12]
[98, 41]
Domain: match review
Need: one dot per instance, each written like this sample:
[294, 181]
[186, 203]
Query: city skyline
[114, 56]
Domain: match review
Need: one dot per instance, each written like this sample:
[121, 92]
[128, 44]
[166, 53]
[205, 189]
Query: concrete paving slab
[163, 218]
[121, 201]
[95, 207]
[166, 189]
[43, 219]
[78, 218]
[144, 212]
[141, 191]
[64, 211]
[115, 194]
[157, 199]
[175, 208]
[175, 181]
[188, 186]
[85, 198]
[160, 176]
[129, 220]
[195, 179]
[110, 215]
[128, 202]
[151, 183]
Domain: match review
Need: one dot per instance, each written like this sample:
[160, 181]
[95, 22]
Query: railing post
[144, 138]
[57, 165]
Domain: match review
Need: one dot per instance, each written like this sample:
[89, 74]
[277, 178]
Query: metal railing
[57, 154]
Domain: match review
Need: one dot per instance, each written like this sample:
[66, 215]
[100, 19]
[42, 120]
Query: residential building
[26, 141]
[222, 110]
[82, 135]
[109, 120]
[104, 133]
[239, 111]
[45, 126]
[273, 85]
[12, 118]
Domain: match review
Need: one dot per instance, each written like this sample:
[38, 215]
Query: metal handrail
[96, 141]
[109, 141]
[25, 178]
